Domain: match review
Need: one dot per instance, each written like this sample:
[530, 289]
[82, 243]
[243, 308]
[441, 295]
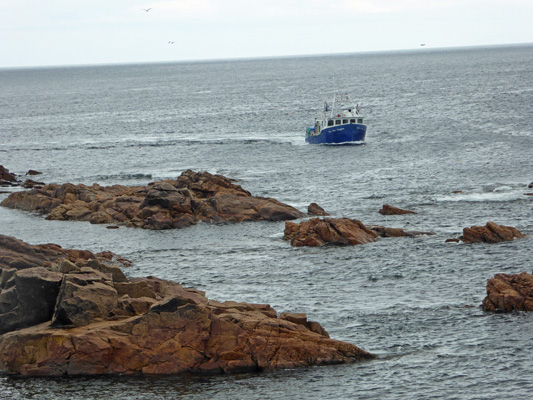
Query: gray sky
[64, 32]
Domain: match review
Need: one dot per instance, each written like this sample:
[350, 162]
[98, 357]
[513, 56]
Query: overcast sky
[64, 32]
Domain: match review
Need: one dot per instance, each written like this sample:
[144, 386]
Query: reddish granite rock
[31, 277]
[319, 232]
[452, 240]
[490, 233]
[315, 209]
[339, 231]
[507, 293]
[28, 298]
[384, 231]
[98, 322]
[189, 338]
[192, 198]
[390, 210]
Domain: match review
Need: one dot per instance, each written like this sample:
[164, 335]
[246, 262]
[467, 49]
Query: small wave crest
[492, 194]
[235, 141]
[121, 176]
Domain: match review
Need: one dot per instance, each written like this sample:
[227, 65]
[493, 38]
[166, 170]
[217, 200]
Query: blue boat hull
[341, 134]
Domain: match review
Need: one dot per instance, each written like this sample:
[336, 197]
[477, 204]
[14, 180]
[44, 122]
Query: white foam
[500, 194]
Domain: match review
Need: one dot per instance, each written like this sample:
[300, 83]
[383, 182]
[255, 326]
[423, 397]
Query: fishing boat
[340, 123]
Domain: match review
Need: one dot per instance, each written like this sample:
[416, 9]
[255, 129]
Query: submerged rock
[191, 198]
[384, 231]
[315, 209]
[390, 210]
[88, 318]
[506, 293]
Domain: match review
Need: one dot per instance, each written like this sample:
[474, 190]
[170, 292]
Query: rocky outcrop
[490, 233]
[191, 198]
[339, 231]
[506, 293]
[319, 232]
[31, 277]
[6, 178]
[9, 179]
[383, 231]
[88, 318]
[315, 210]
[390, 210]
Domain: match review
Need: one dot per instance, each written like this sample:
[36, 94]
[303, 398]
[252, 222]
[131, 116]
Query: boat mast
[334, 86]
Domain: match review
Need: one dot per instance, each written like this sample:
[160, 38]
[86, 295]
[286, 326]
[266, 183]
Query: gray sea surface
[439, 121]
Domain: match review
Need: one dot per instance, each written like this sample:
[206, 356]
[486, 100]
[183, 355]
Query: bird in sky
[147, 9]
[171, 42]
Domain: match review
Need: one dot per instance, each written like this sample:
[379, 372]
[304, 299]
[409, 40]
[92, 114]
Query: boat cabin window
[352, 121]
[360, 120]
[337, 122]
[344, 121]
[330, 122]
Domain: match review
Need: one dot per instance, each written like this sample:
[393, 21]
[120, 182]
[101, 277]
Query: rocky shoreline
[72, 312]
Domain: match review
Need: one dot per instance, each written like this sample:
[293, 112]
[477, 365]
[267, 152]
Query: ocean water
[439, 121]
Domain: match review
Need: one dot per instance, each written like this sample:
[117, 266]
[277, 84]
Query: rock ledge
[61, 314]
[506, 293]
[193, 197]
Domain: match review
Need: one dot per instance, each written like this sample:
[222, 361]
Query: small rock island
[72, 312]
[176, 203]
